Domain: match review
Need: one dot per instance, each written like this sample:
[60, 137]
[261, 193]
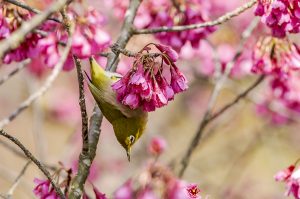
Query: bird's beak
[128, 154]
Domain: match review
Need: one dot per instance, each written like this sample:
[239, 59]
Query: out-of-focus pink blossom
[153, 14]
[179, 189]
[146, 84]
[48, 47]
[125, 191]
[89, 38]
[279, 59]
[44, 190]
[285, 174]
[291, 177]
[157, 146]
[146, 193]
[282, 16]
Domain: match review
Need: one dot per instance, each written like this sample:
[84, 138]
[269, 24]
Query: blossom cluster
[44, 189]
[291, 177]
[280, 60]
[11, 18]
[154, 14]
[150, 84]
[157, 181]
[43, 46]
[282, 16]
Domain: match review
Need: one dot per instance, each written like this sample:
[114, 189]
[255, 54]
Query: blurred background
[237, 157]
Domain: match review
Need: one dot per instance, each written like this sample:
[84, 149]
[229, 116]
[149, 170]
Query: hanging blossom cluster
[291, 177]
[153, 80]
[154, 14]
[280, 60]
[157, 181]
[43, 46]
[282, 16]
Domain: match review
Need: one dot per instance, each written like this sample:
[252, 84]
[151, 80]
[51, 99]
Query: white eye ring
[131, 138]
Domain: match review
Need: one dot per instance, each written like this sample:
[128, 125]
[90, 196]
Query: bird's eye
[131, 138]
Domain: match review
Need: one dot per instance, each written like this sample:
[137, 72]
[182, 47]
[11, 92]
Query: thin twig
[116, 49]
[48, 83]
[17, 181]
[36, 162]
[13, 72]
[237, 99]
[27, 7]
[18, 152]
[226, 17]
[207, 115]
[85, 163]
[18, 36]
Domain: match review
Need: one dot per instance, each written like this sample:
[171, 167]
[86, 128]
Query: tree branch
[36, 162]
[85, 162]
[207, 115]
[48, 83]
[218, 21]
[27, 7]
[17, 181]
[18, 36]
[13, 72]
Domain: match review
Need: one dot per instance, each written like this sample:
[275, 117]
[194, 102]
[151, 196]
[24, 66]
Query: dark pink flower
[172, 54]
[291, 177]
[157, 146]
[282, 16]
[193, 190]
[48, 47]
[44, 190]
[285, 174]
[146, 84]
[178, 80]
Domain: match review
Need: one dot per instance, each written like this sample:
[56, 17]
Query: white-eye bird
[128, 124]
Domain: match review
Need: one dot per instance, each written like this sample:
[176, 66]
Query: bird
[128, 124]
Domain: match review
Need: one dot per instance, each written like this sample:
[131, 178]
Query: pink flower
[48, 47]
[193, 191]
[146, 193]
[157, 146]
[282, 16]
[146, 84]
[291, 177]
[89, 37]
[285, 174]
[178, 80]
[172, 54]
[44, 190]
[152, 14]
[177, 189]
[125, 191]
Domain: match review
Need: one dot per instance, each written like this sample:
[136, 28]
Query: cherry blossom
[282, 16]
[146, 84]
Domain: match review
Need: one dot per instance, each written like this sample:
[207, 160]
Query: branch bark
[207, 115]
[14, 40]
[85, 162]
[27, 7]
[35, 161]
[48, 83]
